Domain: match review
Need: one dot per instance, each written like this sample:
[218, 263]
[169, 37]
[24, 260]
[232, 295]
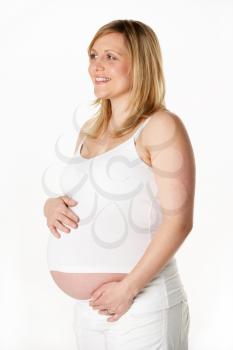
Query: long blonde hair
[148, 84]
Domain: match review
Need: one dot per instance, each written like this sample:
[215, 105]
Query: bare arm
[173, 167]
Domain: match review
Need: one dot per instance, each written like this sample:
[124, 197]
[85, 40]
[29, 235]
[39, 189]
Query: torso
[82, 285]
[93, 147]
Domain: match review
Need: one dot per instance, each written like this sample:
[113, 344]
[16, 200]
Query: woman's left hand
[114, 296]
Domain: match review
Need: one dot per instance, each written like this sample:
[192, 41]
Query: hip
[162, 292]
[165, 329]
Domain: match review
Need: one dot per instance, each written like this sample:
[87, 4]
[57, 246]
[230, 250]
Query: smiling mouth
[102, 80]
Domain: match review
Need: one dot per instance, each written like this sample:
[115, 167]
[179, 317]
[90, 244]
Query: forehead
[111, 41]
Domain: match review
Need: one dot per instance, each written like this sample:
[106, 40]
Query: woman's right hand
[58, 214]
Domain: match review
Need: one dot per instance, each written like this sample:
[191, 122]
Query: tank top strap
[80, 144]
[135, 135]
[138, 131]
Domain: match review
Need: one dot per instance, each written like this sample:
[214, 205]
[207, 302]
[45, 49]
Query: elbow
[188, 228]
[185, 227]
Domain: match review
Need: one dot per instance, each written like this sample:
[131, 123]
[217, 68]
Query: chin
[104, 97]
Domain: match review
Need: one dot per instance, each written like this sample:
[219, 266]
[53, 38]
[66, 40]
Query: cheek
[91, 68]
[124, 70]
[126, 77]
[125, 73]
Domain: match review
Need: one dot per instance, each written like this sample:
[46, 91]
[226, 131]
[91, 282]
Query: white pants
[166, 329]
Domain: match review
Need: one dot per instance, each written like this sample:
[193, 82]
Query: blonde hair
[148, 84]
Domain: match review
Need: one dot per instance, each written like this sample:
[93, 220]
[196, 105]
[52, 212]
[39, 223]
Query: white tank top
[118, 210]
[119, 213]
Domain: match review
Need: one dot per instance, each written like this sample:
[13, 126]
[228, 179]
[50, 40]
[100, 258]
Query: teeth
[102, 79]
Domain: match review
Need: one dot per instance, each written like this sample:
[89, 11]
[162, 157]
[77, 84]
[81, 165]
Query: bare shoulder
[169, 147]
[173, 166]
[163, 129]
[85, 125]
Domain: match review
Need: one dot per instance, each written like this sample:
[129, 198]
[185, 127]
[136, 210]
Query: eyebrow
[119, 53]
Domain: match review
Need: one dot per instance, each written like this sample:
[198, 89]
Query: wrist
[131, 287]
[46, 206]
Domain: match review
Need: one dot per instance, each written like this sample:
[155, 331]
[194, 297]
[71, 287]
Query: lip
[101, 76]
[100, 82]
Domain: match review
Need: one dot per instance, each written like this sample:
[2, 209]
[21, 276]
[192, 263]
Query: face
[109, 66]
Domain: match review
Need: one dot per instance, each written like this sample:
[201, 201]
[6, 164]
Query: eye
[110, 56]
[92, 55]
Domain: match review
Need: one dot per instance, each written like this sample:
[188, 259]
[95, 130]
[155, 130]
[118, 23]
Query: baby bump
[113, 233]
[82, 285]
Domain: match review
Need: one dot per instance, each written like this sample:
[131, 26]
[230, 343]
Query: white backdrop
[43, 66]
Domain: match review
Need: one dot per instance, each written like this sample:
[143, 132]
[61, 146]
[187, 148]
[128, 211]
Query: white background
[43, 68]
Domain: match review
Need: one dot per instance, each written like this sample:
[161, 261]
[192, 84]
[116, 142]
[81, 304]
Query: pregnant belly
[82, 285]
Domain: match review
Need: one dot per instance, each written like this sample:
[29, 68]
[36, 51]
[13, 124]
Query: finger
[66, 221]
[113, 318]
[97, 293]
[69, 201]
[70, 214]
[54, 231]
[100, 306]
[61, 227]
[97, 302]
[103, 312]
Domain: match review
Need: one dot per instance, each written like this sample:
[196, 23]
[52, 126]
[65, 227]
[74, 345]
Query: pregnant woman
[128, 203]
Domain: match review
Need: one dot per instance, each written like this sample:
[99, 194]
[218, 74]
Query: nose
[98, 64]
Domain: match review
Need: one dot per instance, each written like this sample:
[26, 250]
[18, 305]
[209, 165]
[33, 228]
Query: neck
[119, 113]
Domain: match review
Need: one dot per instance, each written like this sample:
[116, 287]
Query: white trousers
[166, 329]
